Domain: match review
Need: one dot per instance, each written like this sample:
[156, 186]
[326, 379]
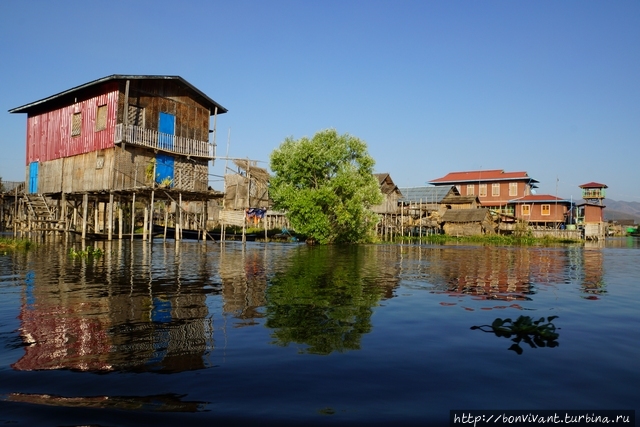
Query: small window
[76, 124]
[99, 159]
[483, 190]
[526, 210]
[470, 189]
[495, 189]
[546, 209]
[513, 189]
[136, 115]
[101, 117]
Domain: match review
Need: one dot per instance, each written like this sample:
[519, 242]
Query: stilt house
[118, 136]
[118, 133]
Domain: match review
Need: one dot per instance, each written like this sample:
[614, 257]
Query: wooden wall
[156, 96]
[115, 169]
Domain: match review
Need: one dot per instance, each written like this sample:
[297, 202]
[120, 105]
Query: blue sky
[548, 87]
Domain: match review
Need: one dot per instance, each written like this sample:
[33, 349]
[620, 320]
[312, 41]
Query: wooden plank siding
[115, 169]
[167, 96]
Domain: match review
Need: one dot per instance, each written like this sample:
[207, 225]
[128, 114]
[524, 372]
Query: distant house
[494, 188]
[390, 195]
[428, 198]
[468, 222]
[543, 209]
[118, 133]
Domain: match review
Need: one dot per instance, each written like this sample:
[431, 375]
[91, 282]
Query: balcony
[593, 193]
[141, 137]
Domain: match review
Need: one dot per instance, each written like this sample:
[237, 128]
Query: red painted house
[494, 188]
[118, 133]
[543, 209]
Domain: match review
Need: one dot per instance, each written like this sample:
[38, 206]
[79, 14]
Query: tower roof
[593, 185]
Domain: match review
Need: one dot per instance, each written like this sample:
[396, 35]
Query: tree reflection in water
[324, 299]
[536, 333]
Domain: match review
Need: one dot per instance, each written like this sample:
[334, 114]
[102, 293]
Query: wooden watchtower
[590, 213]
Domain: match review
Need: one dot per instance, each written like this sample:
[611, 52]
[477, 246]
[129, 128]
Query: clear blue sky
[548, 87]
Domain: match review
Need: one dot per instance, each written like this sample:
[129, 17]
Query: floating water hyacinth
[536, 333]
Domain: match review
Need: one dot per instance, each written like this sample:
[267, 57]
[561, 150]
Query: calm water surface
[277, 334]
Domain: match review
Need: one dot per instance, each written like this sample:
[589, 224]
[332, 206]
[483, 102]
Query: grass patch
[490, 240]
[13, 244]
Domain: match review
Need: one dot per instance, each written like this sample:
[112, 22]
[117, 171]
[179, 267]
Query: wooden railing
[150, 138]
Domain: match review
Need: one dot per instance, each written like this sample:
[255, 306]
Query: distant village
[124, 152]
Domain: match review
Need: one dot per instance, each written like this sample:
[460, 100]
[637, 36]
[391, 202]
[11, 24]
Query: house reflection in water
[513, 273]
[105, 315]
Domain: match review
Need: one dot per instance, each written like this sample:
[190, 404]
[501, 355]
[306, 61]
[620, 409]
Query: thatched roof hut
[468, 222]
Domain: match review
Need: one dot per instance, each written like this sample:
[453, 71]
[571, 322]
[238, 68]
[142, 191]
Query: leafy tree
[326, 186]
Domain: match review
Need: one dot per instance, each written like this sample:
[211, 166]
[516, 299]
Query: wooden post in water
[110, 224]
[96, 213]
[166, 220]
[133, 215]
[145, 223]
[179, 227]
[120, 220]
[85, 209]
[151, 215]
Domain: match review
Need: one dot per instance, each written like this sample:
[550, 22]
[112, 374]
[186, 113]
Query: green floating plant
[86, 253]
[536, 333]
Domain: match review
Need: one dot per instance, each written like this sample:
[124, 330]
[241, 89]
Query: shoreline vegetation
[489, 240]
[8, 243]
[25, 244]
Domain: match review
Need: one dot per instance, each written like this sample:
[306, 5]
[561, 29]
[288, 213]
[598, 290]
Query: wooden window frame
[495, 189]
[513, 189]
[482, 190]
[545, 208]
[76, 124]
[101, 117]
[526, 210]
[470, 190]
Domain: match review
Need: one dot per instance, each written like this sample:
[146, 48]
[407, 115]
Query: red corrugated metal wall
[49, 134]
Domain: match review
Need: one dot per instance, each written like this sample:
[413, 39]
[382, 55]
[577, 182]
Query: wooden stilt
[145, 223]
[120, 220]
[133, 215]
[166, 220]
[110, 219]
[179, 227]
[85, 212]
[151, 216]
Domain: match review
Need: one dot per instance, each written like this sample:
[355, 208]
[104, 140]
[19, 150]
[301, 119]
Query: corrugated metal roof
[482, 175]
[210, 103]
[425, 194]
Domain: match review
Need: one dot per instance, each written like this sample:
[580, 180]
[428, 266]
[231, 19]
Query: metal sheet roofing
[425, 194]
[119, 77]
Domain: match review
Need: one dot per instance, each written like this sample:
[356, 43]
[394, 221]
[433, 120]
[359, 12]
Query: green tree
[326, 186]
